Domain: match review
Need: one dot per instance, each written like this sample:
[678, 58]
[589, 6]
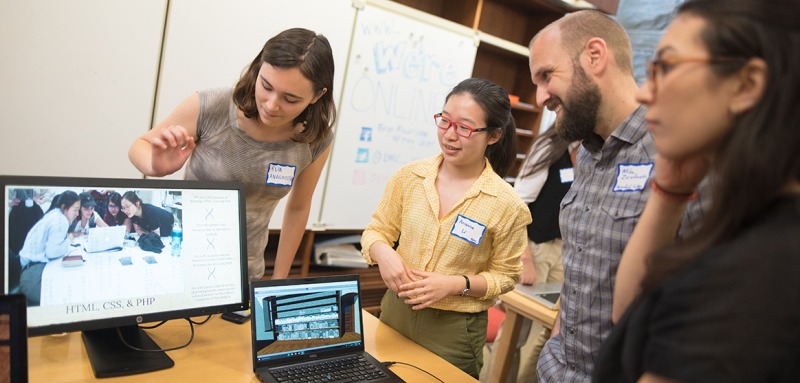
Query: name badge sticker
[632, 177]
[280, 174]
[468, 230]
[567, 175]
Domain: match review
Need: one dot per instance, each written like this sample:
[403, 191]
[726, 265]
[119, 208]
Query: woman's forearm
[656, 228]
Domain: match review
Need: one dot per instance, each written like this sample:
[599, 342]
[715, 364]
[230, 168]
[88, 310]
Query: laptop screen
[301, 319]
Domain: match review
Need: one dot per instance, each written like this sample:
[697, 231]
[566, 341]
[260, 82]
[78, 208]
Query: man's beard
[578, 120]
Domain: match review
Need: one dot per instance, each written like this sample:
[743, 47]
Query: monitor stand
[110, 357]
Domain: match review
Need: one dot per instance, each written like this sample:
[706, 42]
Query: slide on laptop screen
[310, 323]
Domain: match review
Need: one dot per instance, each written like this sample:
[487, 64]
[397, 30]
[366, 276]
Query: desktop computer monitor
[182, 254]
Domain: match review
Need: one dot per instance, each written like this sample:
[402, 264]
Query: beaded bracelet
[677, 197]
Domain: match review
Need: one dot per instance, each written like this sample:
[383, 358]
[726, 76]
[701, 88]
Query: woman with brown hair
[722, 95]
[272, 132]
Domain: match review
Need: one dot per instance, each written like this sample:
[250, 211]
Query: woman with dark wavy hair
[271, 131]
[722, 95]
[47, 241]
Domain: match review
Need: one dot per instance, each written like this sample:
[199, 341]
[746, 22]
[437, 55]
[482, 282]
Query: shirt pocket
[621, 213]
[568, 199]
[564, 214]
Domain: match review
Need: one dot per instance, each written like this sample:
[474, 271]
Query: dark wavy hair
[116, 198]
[312, 55]
[63, 200]
[761, 152]
[494, 101]
[132, 197]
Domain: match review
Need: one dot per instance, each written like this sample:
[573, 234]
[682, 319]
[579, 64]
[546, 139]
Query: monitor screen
[93, 254]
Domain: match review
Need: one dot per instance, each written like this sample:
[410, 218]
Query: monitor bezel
[145, 183]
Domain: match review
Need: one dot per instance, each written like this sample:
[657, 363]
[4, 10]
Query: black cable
[153, 326]
[201, 322]
[387, 364]
[191, 326]
[163, 321]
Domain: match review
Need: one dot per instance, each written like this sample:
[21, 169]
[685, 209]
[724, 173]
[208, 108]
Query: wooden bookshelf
[504, 28]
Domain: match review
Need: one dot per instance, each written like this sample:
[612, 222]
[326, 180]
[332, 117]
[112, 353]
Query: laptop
[13, 338]
[314, 323]
[545, 293]
[105, 239]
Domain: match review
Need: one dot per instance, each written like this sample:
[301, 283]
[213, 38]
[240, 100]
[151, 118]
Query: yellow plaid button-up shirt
[410, 206]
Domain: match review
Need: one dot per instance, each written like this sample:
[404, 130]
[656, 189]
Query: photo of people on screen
[100, 197]
[88, 217]
[24, 213]
[114, 215]
[73, 233]
[145, 217]
[48, 240]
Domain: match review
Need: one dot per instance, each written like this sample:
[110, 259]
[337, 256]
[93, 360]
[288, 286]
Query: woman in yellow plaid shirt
[460, 226]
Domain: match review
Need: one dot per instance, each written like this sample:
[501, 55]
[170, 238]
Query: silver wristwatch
[465, 292]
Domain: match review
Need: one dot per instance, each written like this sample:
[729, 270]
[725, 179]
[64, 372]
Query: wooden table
[220, 352]
[518, 307]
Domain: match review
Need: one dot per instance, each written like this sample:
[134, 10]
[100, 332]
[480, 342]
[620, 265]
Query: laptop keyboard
[349, 369]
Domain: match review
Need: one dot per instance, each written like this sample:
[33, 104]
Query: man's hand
[556, 327]
[528, 276]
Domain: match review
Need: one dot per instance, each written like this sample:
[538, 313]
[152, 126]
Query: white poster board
[399, 71]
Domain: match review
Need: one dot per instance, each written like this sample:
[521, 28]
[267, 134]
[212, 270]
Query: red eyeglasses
[461, 128]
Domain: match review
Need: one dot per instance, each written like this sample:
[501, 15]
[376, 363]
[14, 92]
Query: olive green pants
[455, 336]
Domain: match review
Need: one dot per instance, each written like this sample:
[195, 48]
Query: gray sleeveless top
[224, 152]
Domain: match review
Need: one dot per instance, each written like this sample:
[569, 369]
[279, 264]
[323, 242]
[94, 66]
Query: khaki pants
[549, 268]
[455, 336]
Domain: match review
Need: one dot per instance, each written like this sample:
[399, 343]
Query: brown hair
[759, 155]
[312, 55]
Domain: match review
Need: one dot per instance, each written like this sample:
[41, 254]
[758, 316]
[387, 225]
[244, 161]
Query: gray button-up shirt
[597, 217]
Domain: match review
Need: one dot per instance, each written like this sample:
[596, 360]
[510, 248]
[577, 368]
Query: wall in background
[77, 85]
[83, 78]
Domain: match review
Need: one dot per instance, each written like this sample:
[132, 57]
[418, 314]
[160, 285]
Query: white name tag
[468, 230]
[567, 175]
[281, 175]
[632, 177]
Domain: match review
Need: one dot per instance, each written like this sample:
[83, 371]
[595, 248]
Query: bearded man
[581, 66]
